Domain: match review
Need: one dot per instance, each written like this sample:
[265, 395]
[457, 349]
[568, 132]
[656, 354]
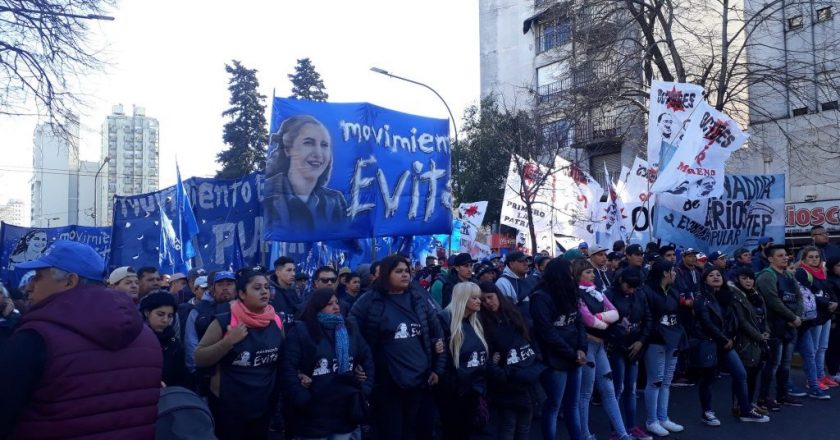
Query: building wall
[794, 121]
[86, 177]
[54, 156]
[12, 212]
[507, 55]
[131, 143]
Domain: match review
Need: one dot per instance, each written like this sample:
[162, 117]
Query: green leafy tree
[307, 83]
[246, 132]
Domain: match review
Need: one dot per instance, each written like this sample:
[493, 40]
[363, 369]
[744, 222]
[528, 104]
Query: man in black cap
[512, 282]
[743, 260]
[460, 271]
[717, 260]
[688, 284]
[636, 258]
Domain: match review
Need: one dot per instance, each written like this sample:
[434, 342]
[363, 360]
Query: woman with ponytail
[327, 371]
[465, 387]
[244, 345]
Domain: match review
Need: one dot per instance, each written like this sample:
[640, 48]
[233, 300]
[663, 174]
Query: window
[553, 34]
[800, 111]
[824, 14]
[795, 22]
[831, 105]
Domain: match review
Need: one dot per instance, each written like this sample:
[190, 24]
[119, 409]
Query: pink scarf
[817, 272]
[251, 319]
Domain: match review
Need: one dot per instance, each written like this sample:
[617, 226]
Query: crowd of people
[452, 349]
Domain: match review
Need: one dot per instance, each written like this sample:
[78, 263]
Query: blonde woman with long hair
[463, 394]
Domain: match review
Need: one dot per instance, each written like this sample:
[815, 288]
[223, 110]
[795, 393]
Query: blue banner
[22, 244]
[751, 207]
[339, 171]
[220, 208]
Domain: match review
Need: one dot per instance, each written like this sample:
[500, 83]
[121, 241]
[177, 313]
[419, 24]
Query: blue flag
[170, 252]
[186, 226]
[237, 260]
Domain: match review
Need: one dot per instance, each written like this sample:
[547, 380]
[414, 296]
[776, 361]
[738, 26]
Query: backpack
[183, 415]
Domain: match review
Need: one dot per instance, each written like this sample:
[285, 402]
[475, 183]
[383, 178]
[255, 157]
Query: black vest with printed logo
[248, 386]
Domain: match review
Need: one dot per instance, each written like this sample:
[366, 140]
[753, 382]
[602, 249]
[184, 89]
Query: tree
[43, 47]
[246, 132]
[307, 83]
[494, 135]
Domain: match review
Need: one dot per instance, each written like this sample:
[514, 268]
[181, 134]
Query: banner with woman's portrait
[355, 170]
[21, 244]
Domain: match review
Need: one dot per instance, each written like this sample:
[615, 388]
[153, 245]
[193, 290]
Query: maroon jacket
[102, 378]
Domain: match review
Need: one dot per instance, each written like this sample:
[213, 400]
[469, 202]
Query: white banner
[614, 218]
[537, 186]
[671, 107]
[697, 168]
[472, 216]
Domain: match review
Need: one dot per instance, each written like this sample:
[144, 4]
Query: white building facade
[131, 145]
[12, 212]
[55, 159]
[795, 123]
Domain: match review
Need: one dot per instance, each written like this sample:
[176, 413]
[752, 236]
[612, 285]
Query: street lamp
[387, 73]
[454, 126]
[96, 185]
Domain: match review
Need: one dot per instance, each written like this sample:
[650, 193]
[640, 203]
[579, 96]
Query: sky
[169, 57]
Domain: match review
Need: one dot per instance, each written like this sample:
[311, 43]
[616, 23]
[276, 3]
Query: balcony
[553, 34]
[607, 128]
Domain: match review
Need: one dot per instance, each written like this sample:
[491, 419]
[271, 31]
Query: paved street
[815, 420]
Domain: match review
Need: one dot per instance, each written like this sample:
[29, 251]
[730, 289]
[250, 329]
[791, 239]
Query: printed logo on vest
[564, 320]
[243, 360]
[404, 332]
[477, 359]
[323, 368]
[516, 356]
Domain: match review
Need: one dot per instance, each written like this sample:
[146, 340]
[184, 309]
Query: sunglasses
[327, 280]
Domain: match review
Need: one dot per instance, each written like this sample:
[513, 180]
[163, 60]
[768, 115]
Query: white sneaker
[671, 426]
[709, 419]
[656, 429]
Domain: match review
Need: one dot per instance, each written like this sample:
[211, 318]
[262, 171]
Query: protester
[614, 260]
[325, 277]
[668, 253]
[243, 347]
[486, 272]
[717, 260]
[321, 353]
[713, 346]
[753, 333]
[625, 344]
[81, 364]
[514, 284]
[688, 285]
[125, 280]
[460, 271]
[222, 291]
[666, 339]
[819, 304]
[598, 315]
[301, 283]
[832, 355]
[821, 239]
[759, 254]
[149, 280]
[164, 281]
[285, 298]
[781, 294]
[403, 336]
[463, 392]
[635, 258]
[158, 309]
[583, 247]
[562, 339]
[349, 292]
[427, 274]
[743, 260]
[199, 287]
[177, 282]
[619, 246]
[513, 379]
[598, 258]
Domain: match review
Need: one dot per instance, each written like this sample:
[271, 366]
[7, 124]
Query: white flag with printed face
[697, 169]
[472, 216]
[671, 108]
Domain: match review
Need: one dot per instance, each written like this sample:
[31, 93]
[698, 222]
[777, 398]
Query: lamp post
[387, 73]
[96, 186]
[451, 117]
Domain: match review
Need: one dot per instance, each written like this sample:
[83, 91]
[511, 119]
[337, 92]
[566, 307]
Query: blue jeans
[733, 364]
[822, 346]
[660, 363]
[625, 375]
[562, 388]
[778, 365]
[808, 340]
[597, 370]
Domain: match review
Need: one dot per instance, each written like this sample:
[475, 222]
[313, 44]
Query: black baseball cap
[634, 249]
[515, 256]
[463, 258]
